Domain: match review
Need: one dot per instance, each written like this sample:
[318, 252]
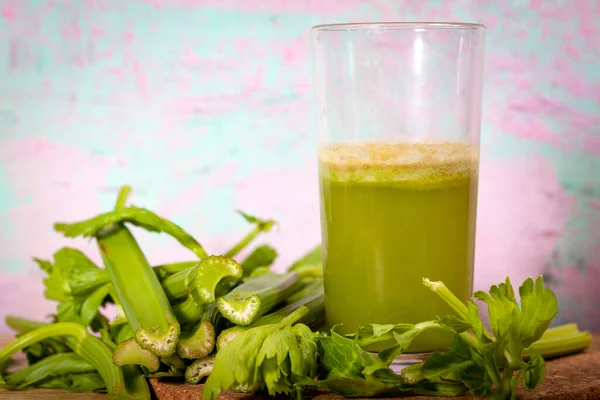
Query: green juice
[393, 214]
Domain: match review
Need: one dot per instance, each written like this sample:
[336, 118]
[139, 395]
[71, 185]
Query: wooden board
[575, 377]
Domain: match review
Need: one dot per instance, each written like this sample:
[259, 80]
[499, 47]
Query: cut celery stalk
[129, 352]
[200, 281]
[140, 294]
[214, 316]
[262, 256]
[249, 301]
[560, 345]
[188, 312]
[228, 335]
[199, 369]
[313, 301]
[165, 270]
[197, 343]
[311, 285]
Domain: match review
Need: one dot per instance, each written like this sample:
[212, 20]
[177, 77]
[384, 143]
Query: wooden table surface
[567, 378]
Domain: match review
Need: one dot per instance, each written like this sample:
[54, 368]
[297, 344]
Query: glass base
[408, 359]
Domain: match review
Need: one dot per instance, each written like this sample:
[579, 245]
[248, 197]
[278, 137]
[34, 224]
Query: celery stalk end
[241, 312]
[162, 344]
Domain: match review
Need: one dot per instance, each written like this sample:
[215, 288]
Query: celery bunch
[232, 323]
[168, 319]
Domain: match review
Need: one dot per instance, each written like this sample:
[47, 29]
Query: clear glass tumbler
[398, 114]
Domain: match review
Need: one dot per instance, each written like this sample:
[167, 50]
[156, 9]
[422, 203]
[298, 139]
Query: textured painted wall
[204, 107]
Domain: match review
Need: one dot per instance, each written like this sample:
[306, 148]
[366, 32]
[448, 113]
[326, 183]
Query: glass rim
[364, 26]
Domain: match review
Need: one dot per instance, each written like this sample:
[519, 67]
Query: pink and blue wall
[204, 107]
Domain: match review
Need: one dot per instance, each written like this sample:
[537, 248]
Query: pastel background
[204, 107]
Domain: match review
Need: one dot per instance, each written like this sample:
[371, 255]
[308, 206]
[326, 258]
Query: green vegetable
[200, 282]
[254, 298]
[23, 325]
[228, 335]
[274, 356]
[262, 256]
[261, 226]
[134, 215]
[314, 301]
[51, 366]
[77, 284]
[493, 367]
[85, 382]
[214, 316]
[560, 341]
[197, 343]
[403, 334]
[168, 317]
[136, 286]
[310, 287]
[72, 274]
[165, 270]
[256, 272]
[41, 349]
[121, 383]
[311, 258]
[129, 352]
[121, 332]
[199, 369]
[349, 370]
[139, 292]
[308, 272]
[188, 312]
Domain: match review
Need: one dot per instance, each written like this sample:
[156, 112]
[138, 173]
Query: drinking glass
[398, 116]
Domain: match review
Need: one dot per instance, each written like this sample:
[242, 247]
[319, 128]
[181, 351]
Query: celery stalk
[199, 369]
[228, 335]
[261, 226]
[450, 298]
[314, 302]
[165, 270]
[23, 325]
[560, 330]
[312, 257]
[199, 285]
[175, 362]
[188, 312]
[121, 383]
[175, 285]
[136, 286]
[413, 374]
[262, 256]
[139, 292]
[200, 281]
[197, 343]
[247, 302]
[311, 285]
[213, 315]
[129, 352]
[122, 197]
[460, 308]
[560, 345]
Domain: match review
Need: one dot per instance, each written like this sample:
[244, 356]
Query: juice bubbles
[393, 214]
